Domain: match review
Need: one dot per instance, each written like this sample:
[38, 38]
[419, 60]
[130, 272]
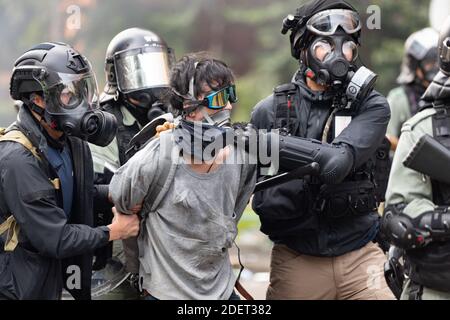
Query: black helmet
[347, 18]
[444, 48]
[66, 82]
[137, 61]
[421, 52]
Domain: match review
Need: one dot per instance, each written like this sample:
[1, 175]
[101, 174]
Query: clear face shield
[142, 68]
[70, 93]
[71, 106]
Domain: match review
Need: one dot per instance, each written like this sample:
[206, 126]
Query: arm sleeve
[130, 184]
[395, 123]
[408, 186]
[367, 129]
[400, 113]
[32, 200]
[263, 115]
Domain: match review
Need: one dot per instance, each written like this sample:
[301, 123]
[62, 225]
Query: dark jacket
[287, 212]
[51, 249]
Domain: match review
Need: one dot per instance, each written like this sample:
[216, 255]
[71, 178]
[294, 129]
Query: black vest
[124, 133]
[430, 266]
[300, 208]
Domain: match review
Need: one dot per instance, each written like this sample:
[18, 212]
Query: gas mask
[429, 67]
[331, 56]
[146, 104]
[331, 59]
[71, 106]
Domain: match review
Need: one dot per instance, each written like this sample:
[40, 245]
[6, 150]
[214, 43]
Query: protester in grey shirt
[184, 240]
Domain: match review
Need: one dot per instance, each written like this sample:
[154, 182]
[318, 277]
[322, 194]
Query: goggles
[325, 23]
[219, 99]
[215, 100]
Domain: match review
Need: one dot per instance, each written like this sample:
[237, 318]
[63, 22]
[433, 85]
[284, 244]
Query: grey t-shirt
[183, 245]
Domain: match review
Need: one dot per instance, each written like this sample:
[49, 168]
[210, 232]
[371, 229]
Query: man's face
[38, 100]
[66, 97]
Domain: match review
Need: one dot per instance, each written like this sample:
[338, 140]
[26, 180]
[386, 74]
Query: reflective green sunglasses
[219, 99]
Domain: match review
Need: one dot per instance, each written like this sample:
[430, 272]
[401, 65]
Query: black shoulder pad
[284, 88]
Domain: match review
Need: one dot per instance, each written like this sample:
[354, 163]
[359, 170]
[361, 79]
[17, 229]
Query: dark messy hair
[215, 73]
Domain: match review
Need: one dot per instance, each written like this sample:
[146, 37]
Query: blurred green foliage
[245, 34]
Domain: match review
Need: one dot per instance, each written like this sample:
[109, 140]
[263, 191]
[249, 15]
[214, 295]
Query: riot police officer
[416, 217]
[420, 65]
[137, 74]
[324, 230]
[46, 197]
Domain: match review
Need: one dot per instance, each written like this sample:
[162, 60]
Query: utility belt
[351, 198]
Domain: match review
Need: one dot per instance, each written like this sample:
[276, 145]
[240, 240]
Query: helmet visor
[69, 92]
[325, 23]
[142, 68]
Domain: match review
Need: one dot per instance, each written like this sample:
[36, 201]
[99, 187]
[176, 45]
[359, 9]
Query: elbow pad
[400, 229]
[336, 161]
[408, 233]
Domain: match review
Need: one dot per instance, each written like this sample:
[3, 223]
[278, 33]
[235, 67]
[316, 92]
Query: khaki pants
[357, 275]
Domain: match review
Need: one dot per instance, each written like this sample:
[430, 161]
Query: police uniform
[404, 104]
[418, 195]
[314, 225]
[420, 54]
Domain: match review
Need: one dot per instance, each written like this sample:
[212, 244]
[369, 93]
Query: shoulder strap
[10, 225]
[19, 137]
[441, 126]
[166, 172]
[287, 110]
[12, 237]
[441, 132]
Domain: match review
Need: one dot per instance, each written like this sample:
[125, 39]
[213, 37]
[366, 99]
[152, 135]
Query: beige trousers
[357, 275]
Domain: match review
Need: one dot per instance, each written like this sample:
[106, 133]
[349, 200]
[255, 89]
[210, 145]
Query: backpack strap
[166, 173]
[12, 229]
[287, 108]
[10, 225]
[19, 137]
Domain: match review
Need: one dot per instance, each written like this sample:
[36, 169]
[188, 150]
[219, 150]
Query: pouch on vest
[346, 199]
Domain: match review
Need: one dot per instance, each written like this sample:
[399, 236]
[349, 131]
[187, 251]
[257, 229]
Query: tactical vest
[363, 190]
[124, 133]
[430, 266]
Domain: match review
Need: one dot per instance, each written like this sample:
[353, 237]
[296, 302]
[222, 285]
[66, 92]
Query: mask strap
[207, 117]
[191, 83]
[33, 106]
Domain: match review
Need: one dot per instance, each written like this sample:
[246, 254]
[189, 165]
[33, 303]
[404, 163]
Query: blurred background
[245, 34]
